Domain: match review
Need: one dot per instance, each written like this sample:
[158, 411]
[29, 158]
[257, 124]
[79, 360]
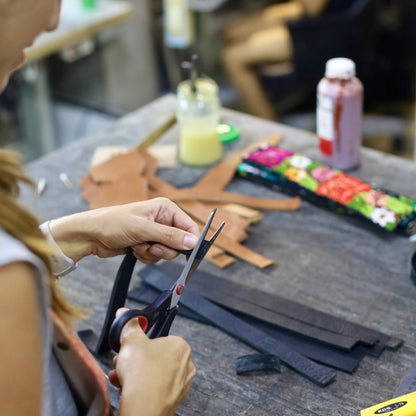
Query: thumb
[133, 329]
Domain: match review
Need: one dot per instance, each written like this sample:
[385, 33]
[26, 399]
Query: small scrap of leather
[256, 364]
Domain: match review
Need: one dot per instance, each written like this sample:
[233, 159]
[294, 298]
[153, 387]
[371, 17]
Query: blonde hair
[20, 223]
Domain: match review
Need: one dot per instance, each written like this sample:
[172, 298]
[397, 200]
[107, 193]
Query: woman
[262, 38]
[44, 368]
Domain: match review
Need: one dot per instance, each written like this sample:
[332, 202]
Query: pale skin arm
[20, 342]
[107, 232]
[154, 374]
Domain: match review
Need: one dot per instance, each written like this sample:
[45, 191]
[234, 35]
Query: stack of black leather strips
[297, 334]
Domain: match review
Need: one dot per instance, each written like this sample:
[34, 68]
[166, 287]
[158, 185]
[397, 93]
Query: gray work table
[332, 263]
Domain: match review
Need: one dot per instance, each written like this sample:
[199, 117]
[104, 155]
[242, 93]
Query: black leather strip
[250, 335]
[204, 282]
[316, 351]
[117, 300]
[257, 363]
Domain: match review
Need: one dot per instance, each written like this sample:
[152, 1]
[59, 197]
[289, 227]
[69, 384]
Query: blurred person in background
[262, 38]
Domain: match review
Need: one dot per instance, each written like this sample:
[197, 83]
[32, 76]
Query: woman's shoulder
[13, 250]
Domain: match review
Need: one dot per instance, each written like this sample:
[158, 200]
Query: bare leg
[268, 18]
[239, 60]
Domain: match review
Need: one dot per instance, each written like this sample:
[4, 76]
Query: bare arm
[20, 342]
[108, 232]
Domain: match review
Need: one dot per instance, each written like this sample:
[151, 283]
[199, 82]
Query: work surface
[332, 263]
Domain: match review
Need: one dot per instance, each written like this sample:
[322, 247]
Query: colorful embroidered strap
[331, 188]
[86, 378]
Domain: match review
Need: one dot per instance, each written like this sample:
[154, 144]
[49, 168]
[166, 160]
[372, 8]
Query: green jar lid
[227, 132]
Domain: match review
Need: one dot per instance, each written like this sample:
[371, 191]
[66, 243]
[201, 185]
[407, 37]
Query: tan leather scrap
[132, 176]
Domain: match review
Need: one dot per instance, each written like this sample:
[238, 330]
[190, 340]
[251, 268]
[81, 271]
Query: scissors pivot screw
[179, 289]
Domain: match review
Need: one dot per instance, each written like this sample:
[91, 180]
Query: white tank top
[57, 396]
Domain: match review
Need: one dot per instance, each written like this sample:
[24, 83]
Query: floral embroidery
[309, 178]
[301, 162]
[295, 174]
[322, 173]
[342, 188]
[377, 198]
[383, 216]
[271, 156]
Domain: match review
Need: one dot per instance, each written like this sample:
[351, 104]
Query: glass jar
[198, 114]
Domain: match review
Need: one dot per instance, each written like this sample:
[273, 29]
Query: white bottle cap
[340, 68]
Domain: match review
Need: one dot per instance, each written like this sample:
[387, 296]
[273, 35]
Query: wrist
[71, 235]
[60, 263]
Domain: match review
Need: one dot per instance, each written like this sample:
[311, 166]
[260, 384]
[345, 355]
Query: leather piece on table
[257, 363]
[221, 260]
[122, 165]
[221, 175]
[243, 252]
[234, 227]
[275, 204]
[207, 195]
[203, 281]
[223, 241]
[323, 354]
[115, 193]
[250, 214]
[257, 339]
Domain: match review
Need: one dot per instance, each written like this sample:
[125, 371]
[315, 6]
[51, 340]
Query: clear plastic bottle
[339, 114]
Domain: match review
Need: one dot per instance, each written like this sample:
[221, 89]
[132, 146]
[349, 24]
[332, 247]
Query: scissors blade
[203, 250]
[189, 267]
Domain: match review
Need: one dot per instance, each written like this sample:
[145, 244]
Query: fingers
[152, 253]
[113, 378]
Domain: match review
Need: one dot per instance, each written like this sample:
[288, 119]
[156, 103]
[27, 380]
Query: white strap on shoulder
[61, 264]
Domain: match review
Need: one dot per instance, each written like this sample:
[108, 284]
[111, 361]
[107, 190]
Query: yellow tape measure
[399, 406]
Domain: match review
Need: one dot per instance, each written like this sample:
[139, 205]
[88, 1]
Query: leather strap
[255, 363]
[224, 320]
[204, 282]
[284, 204]
[324, 354]
[117, 300]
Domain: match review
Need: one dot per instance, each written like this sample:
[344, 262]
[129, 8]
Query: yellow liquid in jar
[200, 147]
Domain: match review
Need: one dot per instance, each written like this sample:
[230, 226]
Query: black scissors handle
[155, 320]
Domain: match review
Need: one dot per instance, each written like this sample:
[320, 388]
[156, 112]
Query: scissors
[156, 319]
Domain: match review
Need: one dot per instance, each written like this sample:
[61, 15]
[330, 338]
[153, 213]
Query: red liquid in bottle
[339, 115]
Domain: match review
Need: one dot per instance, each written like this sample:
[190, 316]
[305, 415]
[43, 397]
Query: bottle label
[325, 123]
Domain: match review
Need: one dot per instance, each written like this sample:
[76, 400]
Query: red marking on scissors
[143, 323]
[179, 289]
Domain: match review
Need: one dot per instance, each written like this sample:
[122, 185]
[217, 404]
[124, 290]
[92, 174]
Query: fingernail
[189, 241]
[156, 251]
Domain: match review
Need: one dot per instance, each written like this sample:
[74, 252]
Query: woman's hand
[153, 374]
[107, 232]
